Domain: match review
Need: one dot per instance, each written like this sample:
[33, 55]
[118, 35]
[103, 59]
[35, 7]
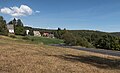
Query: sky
[101, 15]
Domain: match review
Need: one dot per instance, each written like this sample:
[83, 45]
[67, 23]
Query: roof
[10, 26]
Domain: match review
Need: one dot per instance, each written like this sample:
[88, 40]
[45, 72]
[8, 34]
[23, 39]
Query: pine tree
[19, 22]
[3, 27]
[19, 28]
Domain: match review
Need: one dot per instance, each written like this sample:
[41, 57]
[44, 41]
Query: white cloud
[6, 10]
[37, 11]
[23, 10]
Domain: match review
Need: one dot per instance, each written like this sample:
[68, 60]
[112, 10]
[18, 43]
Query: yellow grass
[22, 57]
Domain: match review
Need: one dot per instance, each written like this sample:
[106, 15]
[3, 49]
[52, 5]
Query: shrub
[12, 36]
[26, 38]
[83, 42]
[32, 39]
[69, 38]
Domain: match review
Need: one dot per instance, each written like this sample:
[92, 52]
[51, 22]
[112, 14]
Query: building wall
[36, 33]
[27, 32]
[11, 30]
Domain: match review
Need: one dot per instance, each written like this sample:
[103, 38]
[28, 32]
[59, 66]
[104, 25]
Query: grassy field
[19, 56]
[38, 40]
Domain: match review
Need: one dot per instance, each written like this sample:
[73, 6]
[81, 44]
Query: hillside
[116, 33]
[86, 38]
[19, 56]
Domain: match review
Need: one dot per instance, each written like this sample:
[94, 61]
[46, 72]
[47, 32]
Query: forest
[90, 39]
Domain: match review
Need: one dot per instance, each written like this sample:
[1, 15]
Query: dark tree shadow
[93, 60]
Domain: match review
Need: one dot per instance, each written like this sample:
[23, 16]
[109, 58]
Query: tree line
[89, 39]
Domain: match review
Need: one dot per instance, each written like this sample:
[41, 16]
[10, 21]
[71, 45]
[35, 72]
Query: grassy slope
[18, 56]
[43, 40]
[46, 40]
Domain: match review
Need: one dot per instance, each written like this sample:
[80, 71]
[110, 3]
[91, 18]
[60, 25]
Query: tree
[3, 27]
[19, 28]
[59, 28]
[19, 22]
[58, 34]
[83, 42]
[69, 38]
[14, 22]
[97, 39]
[10, 22]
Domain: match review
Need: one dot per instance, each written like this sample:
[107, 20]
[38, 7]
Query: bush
[26, 38]
[19, 30]
[69, 39]
[12, 36]
[83, 42]
[32, 39]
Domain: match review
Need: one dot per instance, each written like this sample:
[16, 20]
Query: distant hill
[86, 38]
[82, 33]
[116, 33]
[86, 32]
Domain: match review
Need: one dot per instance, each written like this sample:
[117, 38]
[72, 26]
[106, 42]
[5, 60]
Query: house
[27, 32]
[51, 36]
[10, 28]
[36, 33]
[47, 34]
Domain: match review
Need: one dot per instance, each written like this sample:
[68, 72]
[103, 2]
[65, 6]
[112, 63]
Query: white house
[37, 33]
[27, 32]
[10, 29]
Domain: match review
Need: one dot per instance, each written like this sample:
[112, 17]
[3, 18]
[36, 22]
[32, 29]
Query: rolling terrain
[20, 56]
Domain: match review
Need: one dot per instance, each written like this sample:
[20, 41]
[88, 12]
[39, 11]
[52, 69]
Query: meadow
[21, 56]
[42, 40]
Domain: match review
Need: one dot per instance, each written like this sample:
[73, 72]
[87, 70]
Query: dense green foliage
[88, 38]
[69, 38]
[19, 28]
[116, 33]
[100, 39]
[3, 27]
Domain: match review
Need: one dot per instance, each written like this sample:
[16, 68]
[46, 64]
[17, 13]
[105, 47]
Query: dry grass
[22, 57]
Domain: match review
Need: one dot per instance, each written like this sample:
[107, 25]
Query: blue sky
[103, 15]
